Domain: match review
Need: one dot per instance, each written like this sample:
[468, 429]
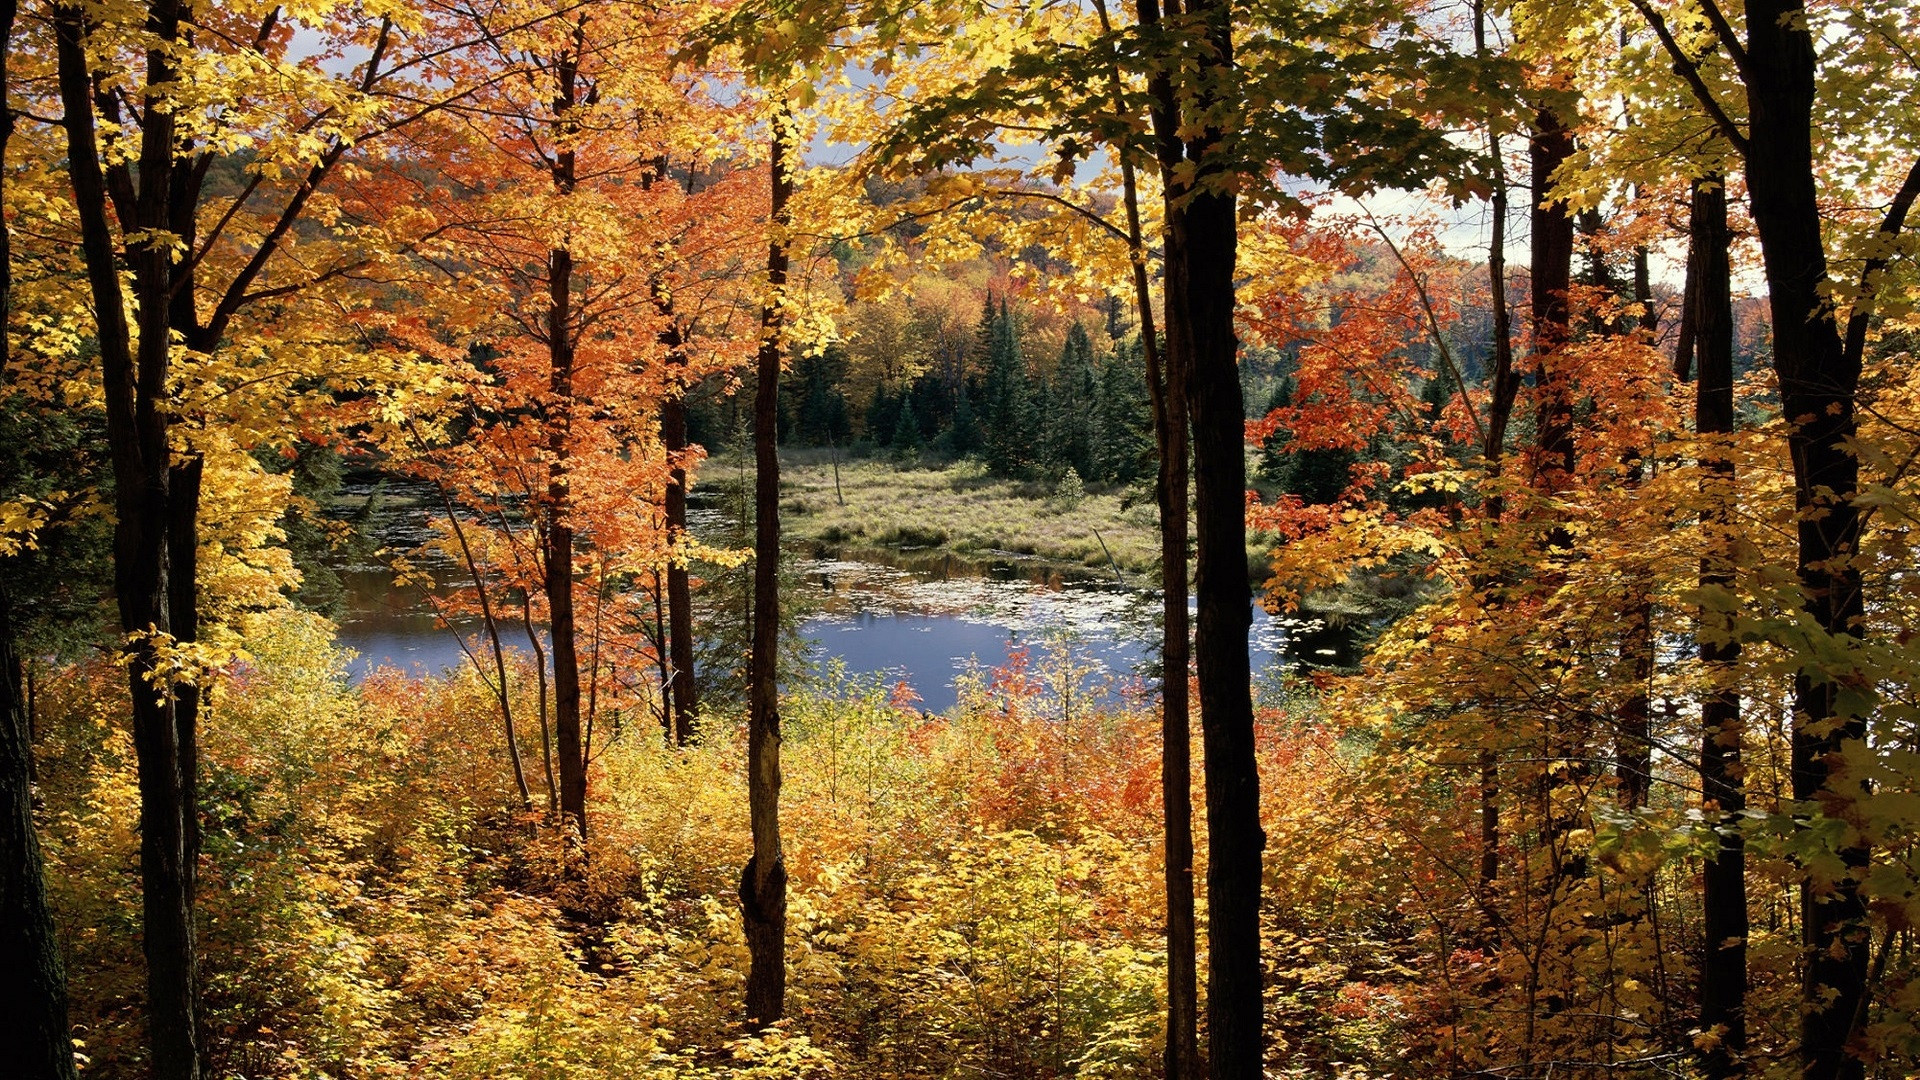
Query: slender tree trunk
[1569, 740]
[763, 882]
[1723, 971]
[1504, 382]
[492, 626]
[1819, 381]
[1170, 492]
[673, 437]
[1552, 242]
[558, 556]
[1201, 243]
[135, 390]
[183, 609]
[543, 700]
[683, 693]
[1633, 733]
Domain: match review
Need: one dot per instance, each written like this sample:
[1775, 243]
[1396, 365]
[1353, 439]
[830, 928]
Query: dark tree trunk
[1819, 379]
[1164, 383]
[558, 556]
[673, 437]
[1202, 357]
[492, 627]
[1552, 257]
[1504, 383]
[33, 985]
[1723, 969]
[1633, 738]
[1202, 275]
[135, 387]
[763, 883]
[1569, 740]
[183, 610]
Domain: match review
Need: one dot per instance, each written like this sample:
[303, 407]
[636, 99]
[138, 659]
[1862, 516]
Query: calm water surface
[925, 622]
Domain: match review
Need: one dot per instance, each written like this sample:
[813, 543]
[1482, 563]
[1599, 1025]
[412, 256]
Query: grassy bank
[960, 508]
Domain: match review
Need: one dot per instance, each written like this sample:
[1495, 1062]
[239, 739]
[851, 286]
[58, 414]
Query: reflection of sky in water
[900, 625]
[924, 622]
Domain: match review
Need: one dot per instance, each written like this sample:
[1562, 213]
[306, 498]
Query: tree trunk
[1723, 970]
[1201, 243]
[1504, 383]
[1552, 258]
[1182, 1059]
[558, 556]
[135, 390]
[33, 984]
[1819, 380]
[673, 437]
[763, 883]
[492, 627]
[1633, 736]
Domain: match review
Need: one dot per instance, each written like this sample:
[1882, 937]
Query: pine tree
[883, 415]
[1122, 440]
[907, 436]
[963, 437]
[1010, 418]
[1070, 404]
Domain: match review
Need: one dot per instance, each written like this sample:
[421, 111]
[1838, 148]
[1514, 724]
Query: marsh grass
[960, 508]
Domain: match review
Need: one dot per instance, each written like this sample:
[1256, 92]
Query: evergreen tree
[1273, 449]
[963, 437]
[1070, 405]
[1122, 439]
[814, 411]
[883, 415]
[907, 436]
[933, 403]
[1008, 406]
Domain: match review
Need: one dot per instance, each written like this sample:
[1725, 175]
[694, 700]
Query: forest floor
[960, 508]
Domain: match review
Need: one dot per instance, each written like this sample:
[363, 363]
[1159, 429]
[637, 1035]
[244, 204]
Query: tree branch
[1689, 69]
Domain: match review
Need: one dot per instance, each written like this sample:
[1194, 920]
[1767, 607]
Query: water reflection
[918, 617]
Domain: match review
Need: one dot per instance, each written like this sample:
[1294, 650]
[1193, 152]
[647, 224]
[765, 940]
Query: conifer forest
[979, 540]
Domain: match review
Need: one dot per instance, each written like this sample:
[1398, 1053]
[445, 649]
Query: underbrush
[968, 894]
[975, 894]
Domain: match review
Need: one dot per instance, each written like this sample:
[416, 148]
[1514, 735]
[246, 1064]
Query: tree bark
[1819, 381]
[1182, 1060]
[1504, 383]
[1723, 969]
[1633, 737]
[763, 882]
[1552, 258]
[1201, 247]
[33, 983]
[135, 386]
[558, 556]
[673, 438]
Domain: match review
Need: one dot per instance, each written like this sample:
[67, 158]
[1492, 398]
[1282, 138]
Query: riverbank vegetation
[963, 508]
[1616, 494]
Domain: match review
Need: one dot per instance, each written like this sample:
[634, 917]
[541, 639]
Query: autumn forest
[1537, 374]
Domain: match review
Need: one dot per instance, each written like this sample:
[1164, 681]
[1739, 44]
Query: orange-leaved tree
[583, 220]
